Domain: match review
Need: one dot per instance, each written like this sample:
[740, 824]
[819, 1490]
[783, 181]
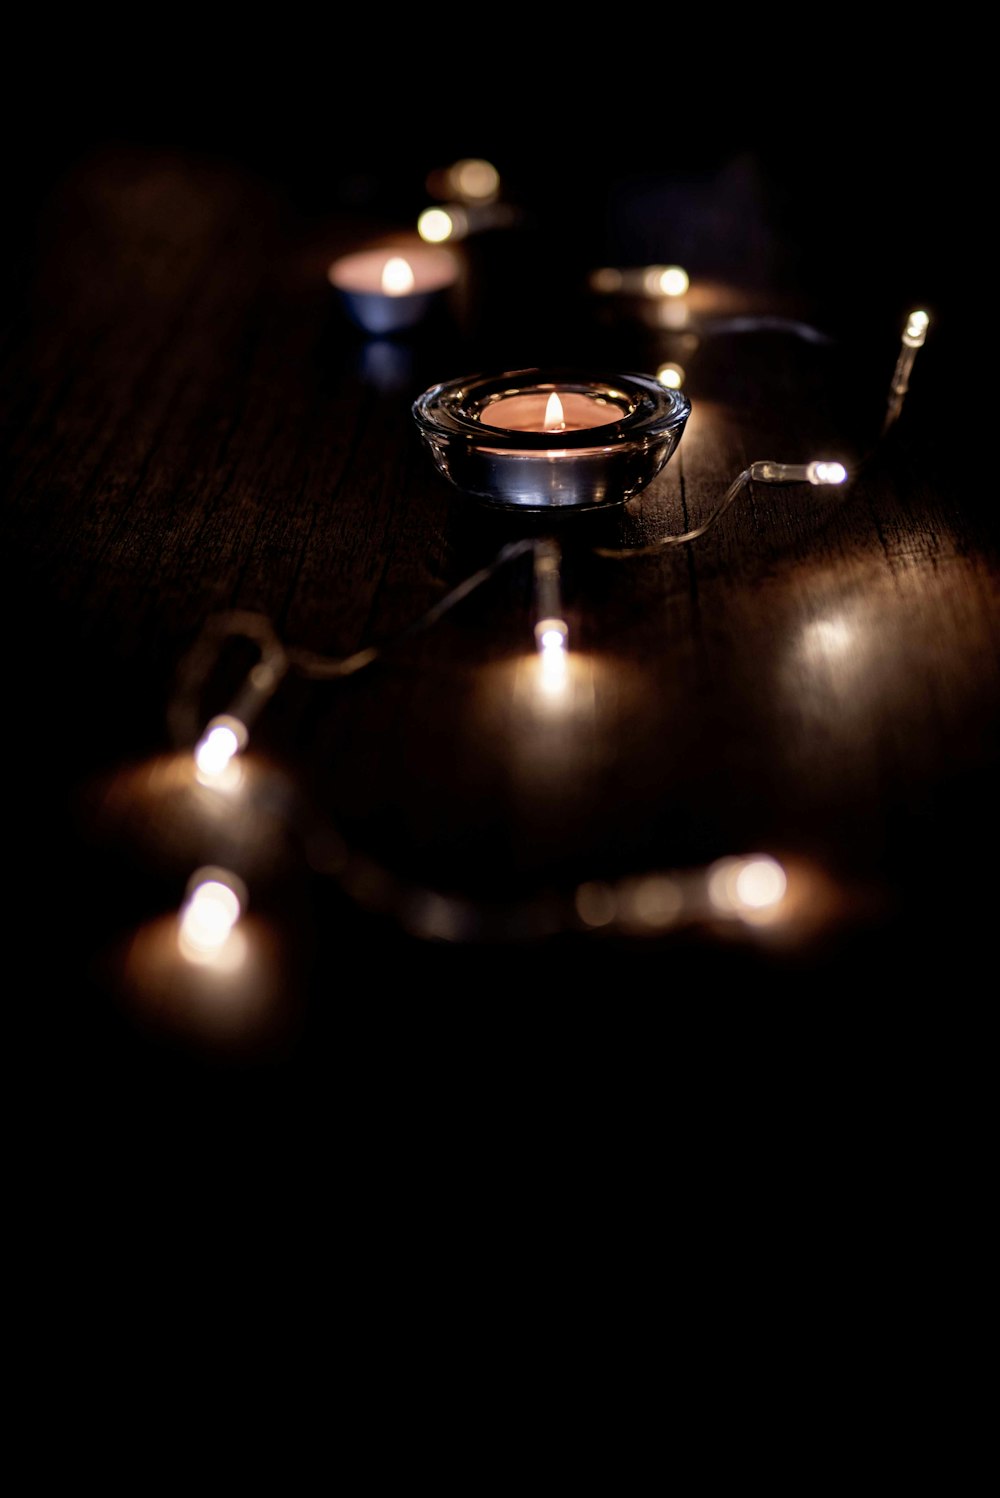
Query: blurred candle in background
[390, 288]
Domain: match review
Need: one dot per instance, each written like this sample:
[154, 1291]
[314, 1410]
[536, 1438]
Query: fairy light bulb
[664, 280]
[819, 471]
[760, 883]
[214, 903]
[751, 888]
[552, 636]
[475, 180]
[216, 750]
[916, 329]
[674, 280]
[671, 376]
[435, 225]
[551, 629]
[826, 473]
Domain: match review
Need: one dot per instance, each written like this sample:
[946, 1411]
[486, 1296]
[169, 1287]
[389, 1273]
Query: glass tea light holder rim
[576, 465]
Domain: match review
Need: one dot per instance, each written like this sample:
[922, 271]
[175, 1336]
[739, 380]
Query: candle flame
[555, 421]
[397, 277]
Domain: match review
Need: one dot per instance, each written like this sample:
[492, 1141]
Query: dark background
[866, 148]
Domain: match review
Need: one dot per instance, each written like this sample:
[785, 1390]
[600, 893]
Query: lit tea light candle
[386, 290]
[532, 440]
[555, 411]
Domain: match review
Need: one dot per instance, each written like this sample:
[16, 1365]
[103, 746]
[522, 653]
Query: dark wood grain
[191, 426]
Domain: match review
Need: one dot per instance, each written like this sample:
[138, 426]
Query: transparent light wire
[276, 660]
[185, 715]
[319, 667]
[765, 472]
[723, 326]
[745, 892]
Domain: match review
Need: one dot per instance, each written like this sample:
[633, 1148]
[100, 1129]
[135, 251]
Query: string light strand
[817, 472]
[748, 890]
[318, 667]
[259, 685]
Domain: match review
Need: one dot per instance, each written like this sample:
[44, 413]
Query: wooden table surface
[193, 427]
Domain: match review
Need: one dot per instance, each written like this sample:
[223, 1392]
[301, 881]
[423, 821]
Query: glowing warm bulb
[747, 886]
[760, 883]
[607, 279]
[397, 277]
[213, 906]
[916, 328]
[674, 281]
[826, 473]
[475, 179]
[553, 658]
[218, 746]
[435, 225]
[670, 375]
[215, 751]
[555, 420]
[551, 634]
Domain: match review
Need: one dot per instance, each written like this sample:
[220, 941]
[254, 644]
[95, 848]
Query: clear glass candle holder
[537, 439]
